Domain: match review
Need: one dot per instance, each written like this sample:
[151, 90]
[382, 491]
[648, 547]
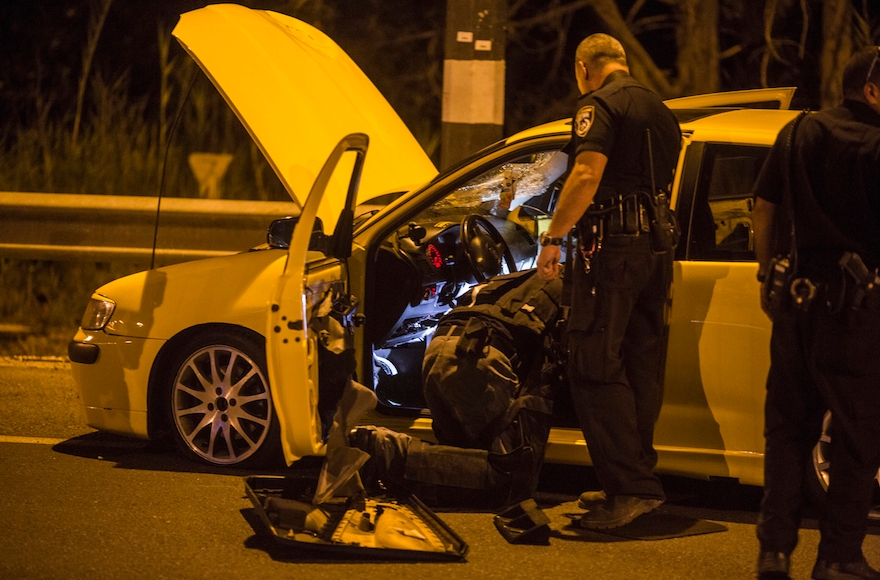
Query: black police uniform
[825, 356]
[490, 377]
[617, 332]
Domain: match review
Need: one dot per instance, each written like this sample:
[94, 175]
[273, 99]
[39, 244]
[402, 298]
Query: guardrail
[114, 228]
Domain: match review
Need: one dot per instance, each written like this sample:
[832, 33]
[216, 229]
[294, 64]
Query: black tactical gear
[490, 375]
[485, 355]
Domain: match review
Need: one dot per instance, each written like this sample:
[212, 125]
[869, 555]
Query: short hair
[855, 74]
[599, 49]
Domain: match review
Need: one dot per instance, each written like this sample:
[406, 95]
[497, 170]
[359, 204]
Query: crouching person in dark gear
[817, 239]
[490, 374]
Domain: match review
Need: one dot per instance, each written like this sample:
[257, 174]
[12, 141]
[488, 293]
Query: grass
[51, 344]
[105, 142]
[117, 152]
[42, 302]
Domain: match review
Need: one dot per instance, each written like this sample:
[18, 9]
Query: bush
[109, 142]
[43, 301]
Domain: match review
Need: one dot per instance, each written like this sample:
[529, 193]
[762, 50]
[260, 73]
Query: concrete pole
[473, 77]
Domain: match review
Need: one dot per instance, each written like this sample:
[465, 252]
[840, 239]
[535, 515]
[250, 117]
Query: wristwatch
[545, 240]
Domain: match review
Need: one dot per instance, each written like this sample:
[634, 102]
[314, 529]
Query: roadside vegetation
[106, 143]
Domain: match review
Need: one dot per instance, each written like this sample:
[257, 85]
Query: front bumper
[83, 353]
[113, 375]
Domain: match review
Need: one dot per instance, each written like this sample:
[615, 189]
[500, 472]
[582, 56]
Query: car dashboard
[422, 271]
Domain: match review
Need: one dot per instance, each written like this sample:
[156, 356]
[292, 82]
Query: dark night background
[42, 41]
[398, 43]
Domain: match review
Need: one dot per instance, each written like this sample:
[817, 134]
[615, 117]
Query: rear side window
[721, 221]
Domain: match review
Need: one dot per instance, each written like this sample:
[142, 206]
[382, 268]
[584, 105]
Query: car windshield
[509, 185]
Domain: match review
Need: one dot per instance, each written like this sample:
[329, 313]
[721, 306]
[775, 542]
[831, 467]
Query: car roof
[750, 115]
[755, 126]
[758, 126]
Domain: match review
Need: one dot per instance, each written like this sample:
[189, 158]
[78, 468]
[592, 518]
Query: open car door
[313, 285]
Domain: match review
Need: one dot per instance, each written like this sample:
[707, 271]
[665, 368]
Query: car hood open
[298, 94]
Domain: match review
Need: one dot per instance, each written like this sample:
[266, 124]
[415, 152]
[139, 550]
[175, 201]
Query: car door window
[721, 221]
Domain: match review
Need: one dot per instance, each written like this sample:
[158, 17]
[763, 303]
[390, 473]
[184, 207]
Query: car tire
[218, 403]
[819, 476]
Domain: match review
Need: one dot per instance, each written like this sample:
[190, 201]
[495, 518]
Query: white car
[230, 356]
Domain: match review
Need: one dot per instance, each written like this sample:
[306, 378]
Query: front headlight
[98, 313]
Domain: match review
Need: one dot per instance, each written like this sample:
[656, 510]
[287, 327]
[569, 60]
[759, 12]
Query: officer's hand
[548, 262]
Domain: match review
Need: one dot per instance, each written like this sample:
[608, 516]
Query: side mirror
[281, 231]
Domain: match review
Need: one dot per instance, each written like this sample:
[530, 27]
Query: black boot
[773, 566]
[858, 570]
[385, 470]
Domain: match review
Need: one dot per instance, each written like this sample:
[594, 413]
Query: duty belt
[849, 290]
[618, 216]
[621, 215]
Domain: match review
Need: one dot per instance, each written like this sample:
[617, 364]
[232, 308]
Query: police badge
[583, 120]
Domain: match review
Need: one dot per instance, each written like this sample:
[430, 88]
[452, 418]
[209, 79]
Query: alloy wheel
[221, 405]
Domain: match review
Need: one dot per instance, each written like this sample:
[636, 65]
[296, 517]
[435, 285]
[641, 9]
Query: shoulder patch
[583, 120]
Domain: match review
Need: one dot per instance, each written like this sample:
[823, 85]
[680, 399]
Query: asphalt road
[79, 504]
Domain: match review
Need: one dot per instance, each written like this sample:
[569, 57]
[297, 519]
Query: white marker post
[473, 77]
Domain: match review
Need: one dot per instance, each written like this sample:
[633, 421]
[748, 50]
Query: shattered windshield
[509, 185]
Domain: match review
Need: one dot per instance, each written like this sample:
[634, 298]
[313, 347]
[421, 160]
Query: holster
[777, 285]
[863, 279]
[635, 214]
[627, 217]
[617, 215]
[665, 231]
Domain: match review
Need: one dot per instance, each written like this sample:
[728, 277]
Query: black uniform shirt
[835, 184]
[612, 120]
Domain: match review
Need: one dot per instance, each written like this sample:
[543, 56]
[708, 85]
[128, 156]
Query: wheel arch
[157, 424]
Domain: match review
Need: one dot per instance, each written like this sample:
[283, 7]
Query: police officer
[825, 308]
[489, 381]
[625, 140]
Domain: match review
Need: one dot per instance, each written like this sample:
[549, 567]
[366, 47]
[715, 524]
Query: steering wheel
[484, 247]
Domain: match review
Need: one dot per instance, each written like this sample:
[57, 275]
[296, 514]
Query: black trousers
[448, 476]
[492, 426]
[820, 361]
[617, 352]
